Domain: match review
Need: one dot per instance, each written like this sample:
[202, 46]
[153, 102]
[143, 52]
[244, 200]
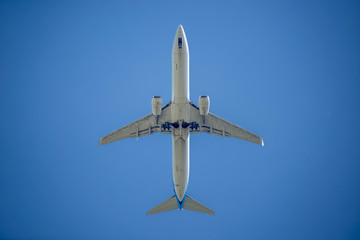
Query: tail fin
[172, 203]
[193, 205]
[168, 205]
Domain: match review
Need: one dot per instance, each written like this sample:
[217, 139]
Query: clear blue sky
[71, 72]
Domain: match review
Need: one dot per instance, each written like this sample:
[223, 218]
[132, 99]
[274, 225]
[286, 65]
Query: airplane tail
[193, 205]
[172, 204]
[168, 205]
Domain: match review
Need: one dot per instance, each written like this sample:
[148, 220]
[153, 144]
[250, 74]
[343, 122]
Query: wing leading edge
[215, 125]
[144, 126]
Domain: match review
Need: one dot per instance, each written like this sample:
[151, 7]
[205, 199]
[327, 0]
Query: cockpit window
[180, 42]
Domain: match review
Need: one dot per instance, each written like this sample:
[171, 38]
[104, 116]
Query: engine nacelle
[156, 104]
[204, 105]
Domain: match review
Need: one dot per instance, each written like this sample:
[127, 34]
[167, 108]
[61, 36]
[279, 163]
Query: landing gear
[194, 126]
[167, 126]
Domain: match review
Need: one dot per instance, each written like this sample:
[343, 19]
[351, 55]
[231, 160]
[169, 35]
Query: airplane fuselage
[180, 112]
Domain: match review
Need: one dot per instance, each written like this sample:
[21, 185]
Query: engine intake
[204, 105]
[156, 104]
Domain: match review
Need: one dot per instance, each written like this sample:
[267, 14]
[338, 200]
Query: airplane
[180, 118]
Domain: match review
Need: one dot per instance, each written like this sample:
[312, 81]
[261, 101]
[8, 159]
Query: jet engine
[204, 105]
[156, 104]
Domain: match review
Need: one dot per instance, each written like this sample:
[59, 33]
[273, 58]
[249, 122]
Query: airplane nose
[180, 29]
[180, 44]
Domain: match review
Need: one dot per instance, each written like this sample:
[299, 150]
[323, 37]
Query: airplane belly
[180, 84]
[181, 166]
[180, 112]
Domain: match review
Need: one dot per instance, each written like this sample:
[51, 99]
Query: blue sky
[72, 72]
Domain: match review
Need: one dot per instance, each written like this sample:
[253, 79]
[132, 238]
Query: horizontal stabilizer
[168, 205]
[193, 205]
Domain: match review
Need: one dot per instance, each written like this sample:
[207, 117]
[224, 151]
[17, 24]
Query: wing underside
[209, 123]
[142, 127]
[215, 125]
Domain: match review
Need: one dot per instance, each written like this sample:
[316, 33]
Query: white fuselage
[180, 112]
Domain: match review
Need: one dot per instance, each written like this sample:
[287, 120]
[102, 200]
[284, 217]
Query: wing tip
[101, 142]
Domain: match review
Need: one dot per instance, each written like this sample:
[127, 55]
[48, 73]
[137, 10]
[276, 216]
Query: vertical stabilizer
[193, 205]
[168, 205]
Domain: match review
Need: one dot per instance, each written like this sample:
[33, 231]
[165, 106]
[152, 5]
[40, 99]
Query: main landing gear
[167, 125]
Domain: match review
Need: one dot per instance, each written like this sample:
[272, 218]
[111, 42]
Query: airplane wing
[215, 125]
[142, 127]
